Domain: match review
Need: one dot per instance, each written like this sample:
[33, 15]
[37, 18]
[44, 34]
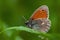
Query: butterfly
[40, 19]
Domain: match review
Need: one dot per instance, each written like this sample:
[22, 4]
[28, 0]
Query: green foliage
[15, 33]
[12, 25]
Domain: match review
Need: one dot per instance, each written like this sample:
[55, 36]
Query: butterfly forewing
[41, 12]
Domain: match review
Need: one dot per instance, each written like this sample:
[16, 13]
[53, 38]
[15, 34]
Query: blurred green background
[11, 12]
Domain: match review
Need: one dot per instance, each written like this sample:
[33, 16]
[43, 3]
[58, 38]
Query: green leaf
[21, 28]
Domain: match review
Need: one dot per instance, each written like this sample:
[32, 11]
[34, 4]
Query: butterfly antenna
[24, 18]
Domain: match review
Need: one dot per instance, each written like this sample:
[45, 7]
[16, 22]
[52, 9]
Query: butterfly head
[28, 23]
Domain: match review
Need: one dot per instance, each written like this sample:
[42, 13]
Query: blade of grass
[22, 28]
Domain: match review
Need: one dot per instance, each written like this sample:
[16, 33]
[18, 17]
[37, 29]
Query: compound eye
[26, 23]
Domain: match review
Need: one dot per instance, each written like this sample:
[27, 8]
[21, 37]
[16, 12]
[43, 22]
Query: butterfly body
[40, 19]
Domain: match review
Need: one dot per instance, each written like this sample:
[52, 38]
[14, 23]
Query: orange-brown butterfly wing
[41, 12]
